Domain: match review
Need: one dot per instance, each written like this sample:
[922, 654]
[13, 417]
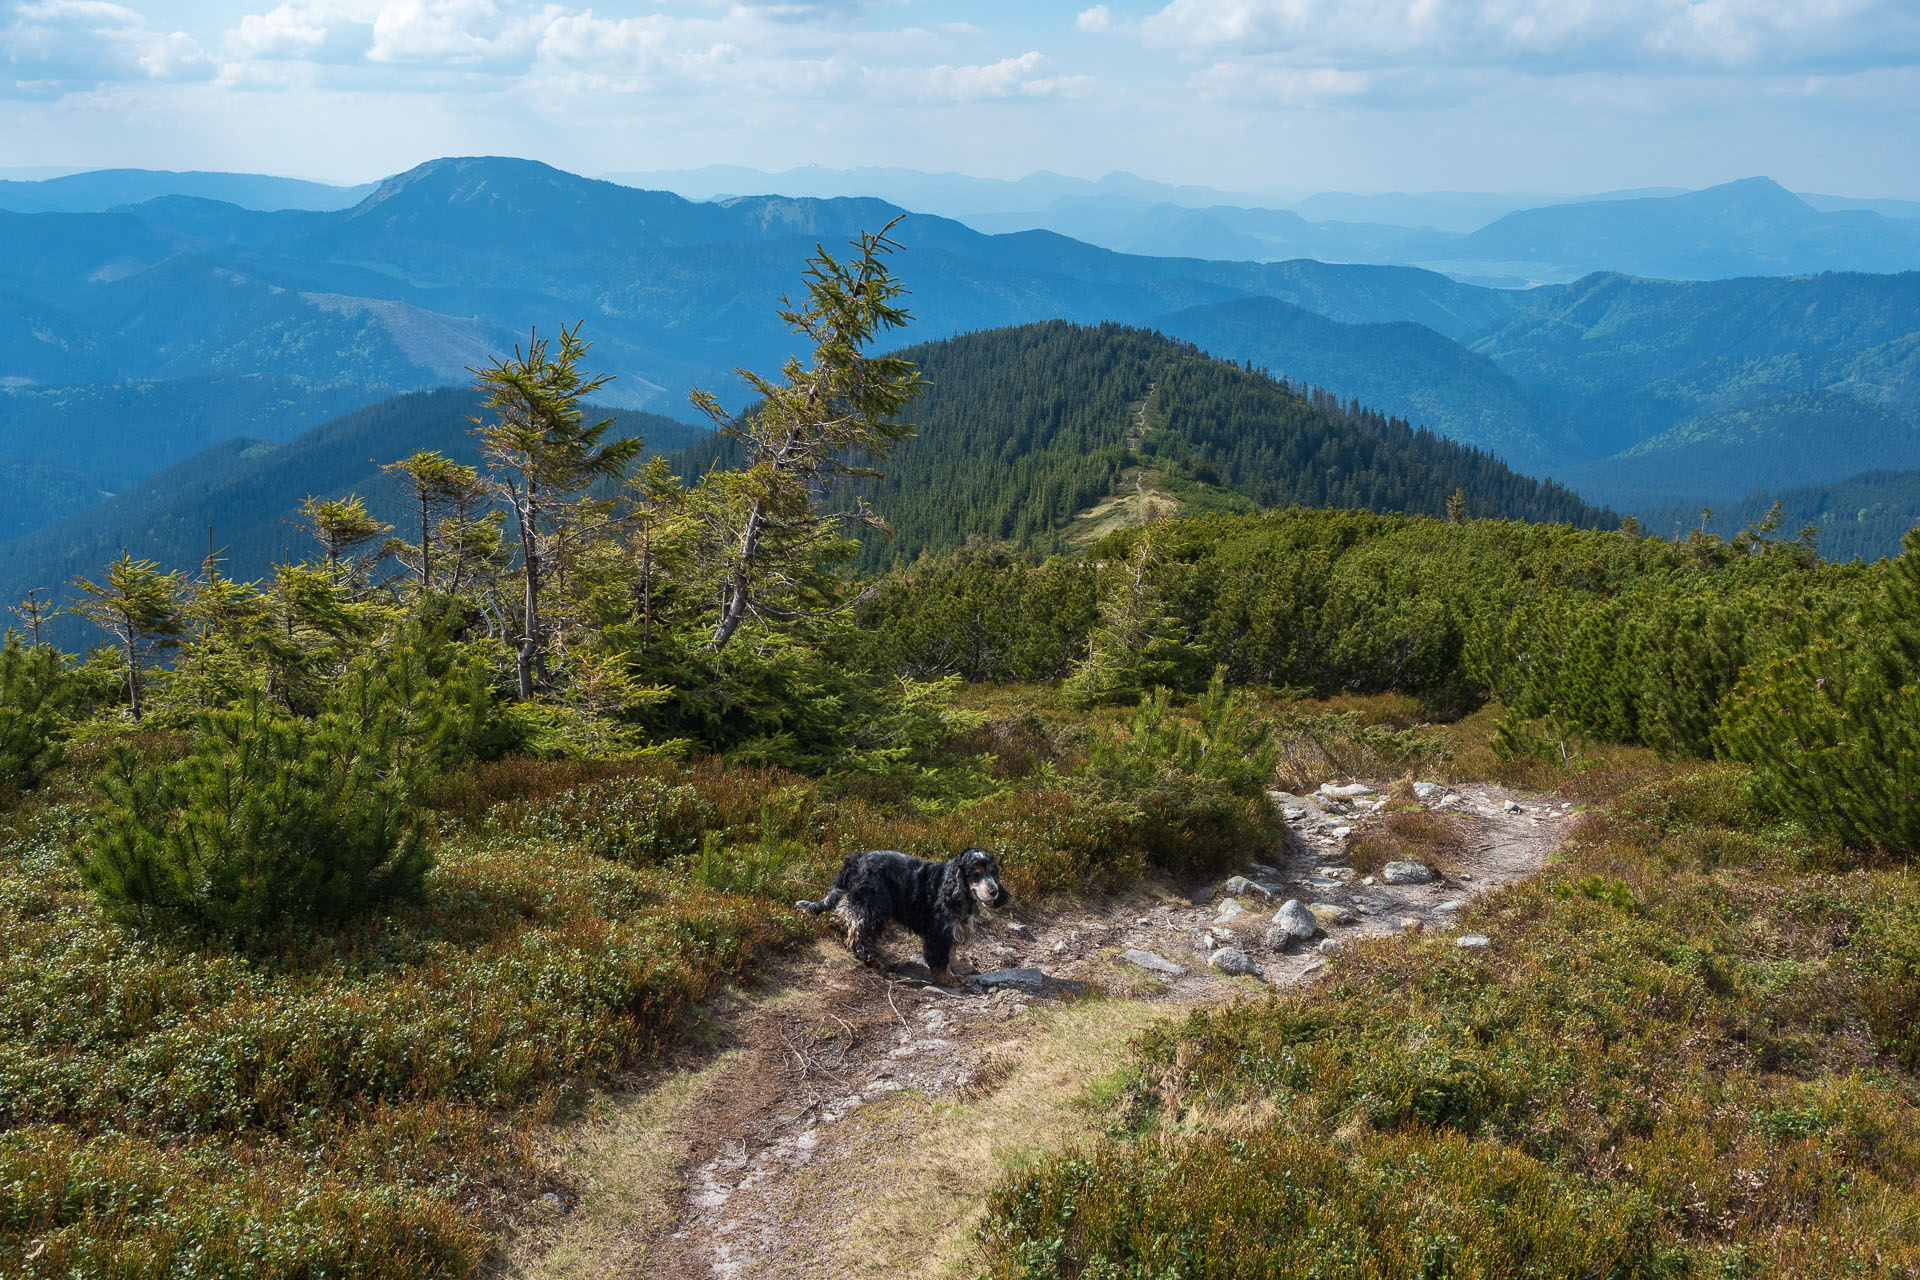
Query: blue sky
[1521, 95]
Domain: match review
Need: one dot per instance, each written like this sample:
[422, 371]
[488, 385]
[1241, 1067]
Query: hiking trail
[848, 1122]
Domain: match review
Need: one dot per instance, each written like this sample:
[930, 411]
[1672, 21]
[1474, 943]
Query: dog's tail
[827, 903]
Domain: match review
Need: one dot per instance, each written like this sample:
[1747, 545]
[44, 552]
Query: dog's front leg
[939, 954]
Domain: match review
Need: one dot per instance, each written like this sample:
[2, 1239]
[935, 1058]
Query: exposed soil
[848, 1121]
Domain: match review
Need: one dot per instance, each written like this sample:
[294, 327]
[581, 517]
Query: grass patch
[1410, 835]
[1686, 1054]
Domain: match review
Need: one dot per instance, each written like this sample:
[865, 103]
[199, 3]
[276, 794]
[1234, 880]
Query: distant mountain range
[137, 337]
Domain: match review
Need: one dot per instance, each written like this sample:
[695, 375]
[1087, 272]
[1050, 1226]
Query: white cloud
[1021, 77]
[57, 46]
[1759, 35]
[1096, 20]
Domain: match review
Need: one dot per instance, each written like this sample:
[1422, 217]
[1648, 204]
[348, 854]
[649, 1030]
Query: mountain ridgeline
[1025, 433]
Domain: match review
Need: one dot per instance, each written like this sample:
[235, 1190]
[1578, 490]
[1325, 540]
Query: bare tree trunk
[530, 558]
[734, 610]
[426, 546]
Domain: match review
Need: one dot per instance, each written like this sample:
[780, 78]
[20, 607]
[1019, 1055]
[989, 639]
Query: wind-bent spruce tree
[801, 436]
[441, 490]
[141, 608]
[542, 452]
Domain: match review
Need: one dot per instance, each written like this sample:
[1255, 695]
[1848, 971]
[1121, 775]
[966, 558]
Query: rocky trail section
[848, 1121]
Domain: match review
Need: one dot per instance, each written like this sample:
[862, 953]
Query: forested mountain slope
[1862, 517]
[1023, 430]
[247, 491]
[1405, 369]
[1627, 359]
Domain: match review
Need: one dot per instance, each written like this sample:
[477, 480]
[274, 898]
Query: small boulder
[1240, 884]
[1232, 960]
[1451, 904]
[1296, 919]
[1229, 909]
[1329, 914]
[1277, 938]
[1427, 790]
[1341, 833]
[1407, 873]
[1347, 792]
[1472, 942]
[1148, 960]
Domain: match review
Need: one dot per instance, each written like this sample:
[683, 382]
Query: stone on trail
[1407, 873]
[1230, 909]
[1427, 790]
[1148, 960]
[1296, 919]
[1277, 938]
[1347, 792]
[1233, 960]
[1331, 913]
[1240, 884]
[1472, 942]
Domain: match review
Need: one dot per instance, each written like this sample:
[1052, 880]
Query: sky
[1359, 95]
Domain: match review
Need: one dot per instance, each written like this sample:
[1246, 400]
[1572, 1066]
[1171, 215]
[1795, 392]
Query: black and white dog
[937, 900]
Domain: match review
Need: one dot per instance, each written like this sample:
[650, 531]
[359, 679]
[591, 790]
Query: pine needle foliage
[272, 822]
[1832, 717]
[33, 689]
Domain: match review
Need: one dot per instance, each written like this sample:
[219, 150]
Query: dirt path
[849, 1123]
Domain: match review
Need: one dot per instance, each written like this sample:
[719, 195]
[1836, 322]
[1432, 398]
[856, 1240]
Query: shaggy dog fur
[937, 900]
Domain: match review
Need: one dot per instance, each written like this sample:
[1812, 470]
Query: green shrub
[33, 690]
[1192, 797]
[1886, 965]
[1831, 720]
[637, 820]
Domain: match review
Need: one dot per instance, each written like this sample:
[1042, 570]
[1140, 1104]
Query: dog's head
[982, 872]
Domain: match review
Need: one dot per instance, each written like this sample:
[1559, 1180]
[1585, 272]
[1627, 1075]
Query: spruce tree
[141, 608]
[805, 433]
[542, 452]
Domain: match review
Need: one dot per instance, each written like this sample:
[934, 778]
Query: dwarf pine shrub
[32, 690]
[1191, 795]
[272, 820]
[1831, 719]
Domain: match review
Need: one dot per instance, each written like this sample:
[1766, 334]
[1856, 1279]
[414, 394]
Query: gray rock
[1407, 873]
[1240, 884]
[1148, 960]
[1341, 833]
[1451, 904]
[1008, 982]
[1334, 873]
[1234, 961]
[1347, 792]
[1230, 909]
[1472, 942]
[1331, 913]
[1328, 946]
[1292, 812]
[1294, 917]
[1025, 979]
[1449, 802]
[1427, 790]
